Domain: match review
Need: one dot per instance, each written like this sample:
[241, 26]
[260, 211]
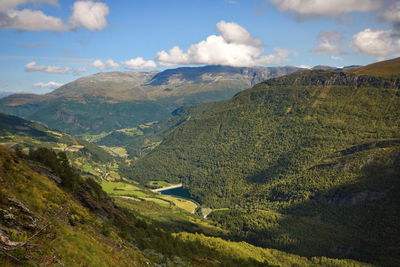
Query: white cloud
[111, 64]
[87, 14]
[378, 43]
[235, 47]
[32, 67]
[30, 20]
[329, 43]
[139, 63]
[305, 66]
[325, 8]
[48, 85]
[90, 15]
[108, 64]
[392, 14]
[234, 33]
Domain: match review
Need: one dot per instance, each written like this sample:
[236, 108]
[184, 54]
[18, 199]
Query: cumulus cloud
[33, 67]
[51, 85]
[234, 47]
[87, 14]
[139, 63]
[90, 15]
[108, 64]
[30, 20]
[325, 8]
[392, 14]
[377, 43]
[234, 33]
[330, 43]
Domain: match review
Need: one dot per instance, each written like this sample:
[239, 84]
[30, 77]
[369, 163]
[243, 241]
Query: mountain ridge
[116, 100]
[272, 157]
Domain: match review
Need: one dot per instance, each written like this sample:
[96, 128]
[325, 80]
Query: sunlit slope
[303, 144]
[388, 68]
[75, 224]
[116, 100]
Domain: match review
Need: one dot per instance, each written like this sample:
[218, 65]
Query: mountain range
[115, 100]
[303, 168]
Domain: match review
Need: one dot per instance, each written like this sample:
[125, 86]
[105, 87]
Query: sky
[47, 43]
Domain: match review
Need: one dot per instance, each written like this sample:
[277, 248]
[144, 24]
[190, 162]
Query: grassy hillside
[76, 224]
[388, 68]
[26, 135]
[307, 163]
[142, 139]
[110, 101]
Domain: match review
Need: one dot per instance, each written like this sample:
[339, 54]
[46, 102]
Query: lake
[179, 192]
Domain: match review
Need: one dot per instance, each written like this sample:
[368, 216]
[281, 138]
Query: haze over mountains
[101, 102]
[306, 163]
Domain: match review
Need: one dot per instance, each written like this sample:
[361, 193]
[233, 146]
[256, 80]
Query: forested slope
[55, 217]
[320, 148]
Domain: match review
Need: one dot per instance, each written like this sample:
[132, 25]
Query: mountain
[18, 133]
[5, 94]
[307, 163]
[116, 100]
[388, 68]
[74, 223]
[140, 140]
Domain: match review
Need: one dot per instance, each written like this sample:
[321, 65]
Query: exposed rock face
[344, 198]
[17, 215]
[326, 78]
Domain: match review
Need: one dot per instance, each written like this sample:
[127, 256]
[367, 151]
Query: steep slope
[140, 140]
[115, 100]
[25, 135]
[320, 148]
[388, 68]
[75, 224]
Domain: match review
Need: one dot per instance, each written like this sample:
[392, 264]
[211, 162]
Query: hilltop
[388, 68]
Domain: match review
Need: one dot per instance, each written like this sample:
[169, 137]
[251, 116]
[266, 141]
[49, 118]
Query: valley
[301, 169]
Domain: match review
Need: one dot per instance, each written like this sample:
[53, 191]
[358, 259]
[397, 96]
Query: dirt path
[167, 188]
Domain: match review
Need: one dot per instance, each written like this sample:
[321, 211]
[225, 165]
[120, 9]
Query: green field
[157, 184]
[182, 203]
[138, 193]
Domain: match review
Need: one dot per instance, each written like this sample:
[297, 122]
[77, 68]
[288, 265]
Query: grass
[116, 151]
[128, 189]
[110, 187]
[157, 184]
[182, 203]
[161, 202]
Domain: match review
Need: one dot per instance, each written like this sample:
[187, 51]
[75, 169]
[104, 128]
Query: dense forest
[52, 215]
[296, 160]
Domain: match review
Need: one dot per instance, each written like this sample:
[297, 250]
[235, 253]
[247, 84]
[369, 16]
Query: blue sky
[45, 43]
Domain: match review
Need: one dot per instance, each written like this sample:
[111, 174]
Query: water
[179, 192]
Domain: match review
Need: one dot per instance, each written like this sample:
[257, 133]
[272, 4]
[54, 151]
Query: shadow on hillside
[358, 220]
